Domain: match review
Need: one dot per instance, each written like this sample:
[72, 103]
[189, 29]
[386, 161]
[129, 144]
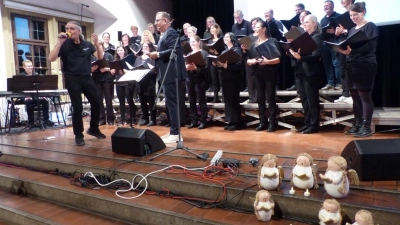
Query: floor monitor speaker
[374, 159]
[138, 142]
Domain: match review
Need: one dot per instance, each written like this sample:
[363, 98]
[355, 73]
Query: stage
[51, 149]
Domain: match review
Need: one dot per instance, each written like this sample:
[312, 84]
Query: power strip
[216, 158]
[232, 163]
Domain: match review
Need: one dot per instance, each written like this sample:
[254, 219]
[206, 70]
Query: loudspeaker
[374, 159]
[119, 35]
[138, 142]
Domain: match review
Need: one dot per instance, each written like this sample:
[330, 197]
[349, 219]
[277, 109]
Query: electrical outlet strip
[216, 158]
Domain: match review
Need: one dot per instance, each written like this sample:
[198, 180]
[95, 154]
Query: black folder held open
[229, 56]
[123, 63]
[219, 45]
[246, 40]
[268, 49]
[294, 22]
[356, 40]
[304, 42]
[101, 63]
[196, 58]
[294, 33]
[186, 49]
[345, 20]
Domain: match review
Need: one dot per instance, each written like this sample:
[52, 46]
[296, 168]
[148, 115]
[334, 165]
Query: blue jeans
[331, 65]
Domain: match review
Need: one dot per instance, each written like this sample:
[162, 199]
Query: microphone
[87, 6]
[65, 36]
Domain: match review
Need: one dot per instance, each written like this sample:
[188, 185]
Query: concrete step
[23, 209]
[41, 188]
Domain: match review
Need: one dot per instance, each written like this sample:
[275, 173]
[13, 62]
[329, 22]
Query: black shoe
[167, 125]
[302, 129]
[110, 123]
[48, 123]
[96, 133]
[79, 141]
[102, 122]
[357, 123]
[365, 130]
[233, 127]
[246, 90]
[226, 127]
[251, 101]
[216, 101]
[150, 124]
[260, 127]
[292, 88]
[271, 127]
[192, 125]
[143, 122]
[202, 126]
[310, 130]
[210, 89]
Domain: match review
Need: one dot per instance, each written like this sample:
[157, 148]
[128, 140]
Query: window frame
[31, 42]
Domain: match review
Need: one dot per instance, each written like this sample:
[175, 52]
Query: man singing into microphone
[75, 54]
[166, 44]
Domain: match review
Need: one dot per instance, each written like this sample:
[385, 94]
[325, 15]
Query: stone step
[23, 209]
[41, 188]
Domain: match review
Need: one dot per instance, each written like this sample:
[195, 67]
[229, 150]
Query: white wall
[381, 12]
[128, 13]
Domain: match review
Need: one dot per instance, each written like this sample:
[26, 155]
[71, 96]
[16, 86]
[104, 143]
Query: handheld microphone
[65, 36]
[87, 6]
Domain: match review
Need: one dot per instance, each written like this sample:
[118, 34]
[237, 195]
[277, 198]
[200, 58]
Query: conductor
[162, 55]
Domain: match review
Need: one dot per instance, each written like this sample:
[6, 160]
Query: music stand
[31, 83]
[179, 145]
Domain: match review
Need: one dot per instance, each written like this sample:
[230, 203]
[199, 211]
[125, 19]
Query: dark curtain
[195, 12]
[387, 84]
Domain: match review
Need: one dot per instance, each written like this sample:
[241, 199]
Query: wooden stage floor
[241, 144]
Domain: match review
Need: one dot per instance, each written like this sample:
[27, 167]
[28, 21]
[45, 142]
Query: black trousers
[147, 104]
[266, 85]
[30, 105]
[308, 89]
[197, 90]
[106, 90]
[251, 83]
[216, 79]
[123, 92]
[76, 86]
[231, 87]
[172, 105]
[343, 74]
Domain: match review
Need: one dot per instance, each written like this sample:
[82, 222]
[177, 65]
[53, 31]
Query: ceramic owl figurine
[304, 172]
[363, 217]
[336, 178]
[330, 213]
[263, 206]
[269, 174]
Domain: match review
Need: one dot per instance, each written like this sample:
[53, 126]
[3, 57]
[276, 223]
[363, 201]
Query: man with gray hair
[75, 54]
[269, 18]
[242, 26]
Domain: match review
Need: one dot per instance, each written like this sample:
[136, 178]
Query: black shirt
[135, 40]
[24, 73]
[98, 76]
[242, 29]
[76, 58]
[365, 53]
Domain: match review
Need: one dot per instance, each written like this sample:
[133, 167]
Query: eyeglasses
[156, 21]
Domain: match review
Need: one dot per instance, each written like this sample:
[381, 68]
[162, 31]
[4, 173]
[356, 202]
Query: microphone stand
[179, 145]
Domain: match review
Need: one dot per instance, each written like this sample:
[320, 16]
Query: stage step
[24, 209]
[147, 209]
[98, 158]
